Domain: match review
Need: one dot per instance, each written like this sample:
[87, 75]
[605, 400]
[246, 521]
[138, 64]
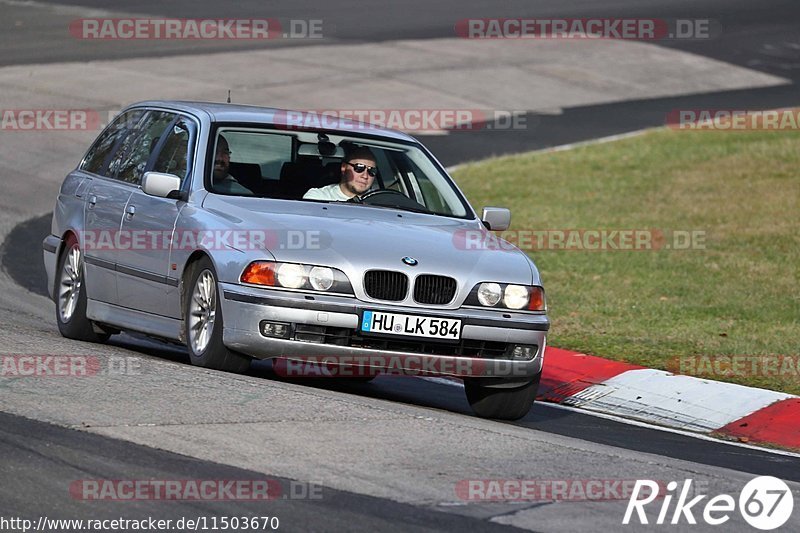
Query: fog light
[522, 352]
[274, 329]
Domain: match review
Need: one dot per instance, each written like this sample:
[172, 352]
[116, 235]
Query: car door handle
[130, 211]
[92, 201]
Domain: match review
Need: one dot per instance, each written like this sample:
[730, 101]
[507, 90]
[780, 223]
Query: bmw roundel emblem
[410, 261]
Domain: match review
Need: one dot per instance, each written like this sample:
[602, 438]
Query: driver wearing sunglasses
[358, 173]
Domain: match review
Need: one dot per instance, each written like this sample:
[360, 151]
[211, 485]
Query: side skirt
[158, 326]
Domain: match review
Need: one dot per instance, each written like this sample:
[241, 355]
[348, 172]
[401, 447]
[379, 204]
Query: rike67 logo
[766, 503]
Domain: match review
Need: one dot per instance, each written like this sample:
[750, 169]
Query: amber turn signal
[536, 302]
[259, 273]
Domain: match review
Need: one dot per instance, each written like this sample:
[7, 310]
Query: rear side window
[174, 155]
[249, 162]
[130, 159]
[95, 160]
[269, 152]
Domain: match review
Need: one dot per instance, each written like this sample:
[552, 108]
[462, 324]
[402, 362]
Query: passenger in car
[223, 181]
[358, 173]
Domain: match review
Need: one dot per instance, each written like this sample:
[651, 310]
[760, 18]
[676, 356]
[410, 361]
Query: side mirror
[496, 218]
[161, 185]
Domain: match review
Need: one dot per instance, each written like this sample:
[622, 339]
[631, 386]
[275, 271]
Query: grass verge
[727, 308]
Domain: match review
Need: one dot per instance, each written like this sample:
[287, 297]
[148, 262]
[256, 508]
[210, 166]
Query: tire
[203, 322]
[70, 296]
[500, 403]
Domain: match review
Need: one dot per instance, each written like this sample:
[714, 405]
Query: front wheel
[203, 322]
[501, 403]
[71, 296]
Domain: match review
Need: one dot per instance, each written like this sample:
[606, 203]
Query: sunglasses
[361, 167]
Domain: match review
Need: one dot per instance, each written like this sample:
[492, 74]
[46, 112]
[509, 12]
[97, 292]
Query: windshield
[314, 167]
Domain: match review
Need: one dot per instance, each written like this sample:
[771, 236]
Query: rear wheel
[203, 322]
[71, 296]
[501, 403]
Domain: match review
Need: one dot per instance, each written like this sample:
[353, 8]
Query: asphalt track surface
[42, 458]
[53, 454]
[762, 36]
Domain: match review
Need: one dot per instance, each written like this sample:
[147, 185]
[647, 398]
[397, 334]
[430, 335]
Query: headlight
[321, 278]
[296, 276]
[489, 294]
[507, 296]
[515, 297]
[291, 276]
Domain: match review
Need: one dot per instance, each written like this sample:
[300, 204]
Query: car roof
[220, 112]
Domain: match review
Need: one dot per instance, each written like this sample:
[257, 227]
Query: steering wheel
[391, 198]
[372, 194]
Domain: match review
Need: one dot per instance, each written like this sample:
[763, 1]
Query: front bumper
[325, 328]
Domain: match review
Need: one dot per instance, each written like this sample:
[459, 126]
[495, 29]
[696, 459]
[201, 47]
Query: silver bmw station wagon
[253, 233]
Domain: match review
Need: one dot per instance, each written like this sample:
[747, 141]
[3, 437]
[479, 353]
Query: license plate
[416, 326]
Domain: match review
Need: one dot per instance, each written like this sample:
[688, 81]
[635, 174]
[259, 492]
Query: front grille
[386, 285]
[437, 290]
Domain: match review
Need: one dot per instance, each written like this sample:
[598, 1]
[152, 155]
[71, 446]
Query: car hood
[355, 238]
